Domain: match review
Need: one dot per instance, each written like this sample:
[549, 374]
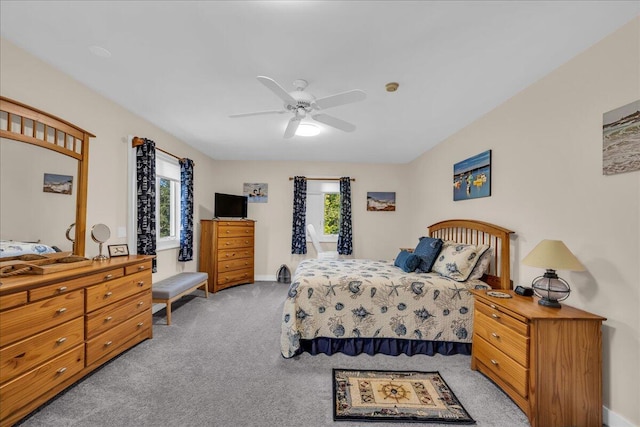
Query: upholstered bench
[172, 288]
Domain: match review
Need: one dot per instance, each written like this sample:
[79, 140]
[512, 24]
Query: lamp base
[549, 303]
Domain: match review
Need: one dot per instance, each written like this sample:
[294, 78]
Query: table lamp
[552, 255]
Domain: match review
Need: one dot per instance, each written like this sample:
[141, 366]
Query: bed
[355, 306]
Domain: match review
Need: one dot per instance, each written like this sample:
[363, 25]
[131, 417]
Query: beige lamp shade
[553, 255]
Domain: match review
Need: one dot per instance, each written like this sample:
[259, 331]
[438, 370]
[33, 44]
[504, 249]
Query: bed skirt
[388, 346]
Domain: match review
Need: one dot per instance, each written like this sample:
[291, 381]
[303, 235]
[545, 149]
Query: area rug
[395, 396]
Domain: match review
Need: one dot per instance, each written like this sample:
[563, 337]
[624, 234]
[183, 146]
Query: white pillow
[457, 260]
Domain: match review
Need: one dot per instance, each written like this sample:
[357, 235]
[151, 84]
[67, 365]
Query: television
[229, 206]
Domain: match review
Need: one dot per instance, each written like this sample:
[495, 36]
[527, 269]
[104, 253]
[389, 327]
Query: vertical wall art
[472, 177]
[381, 201]
[621, 139]
[256, 193]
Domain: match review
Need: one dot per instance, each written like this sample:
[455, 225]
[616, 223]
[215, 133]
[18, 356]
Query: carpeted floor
[219, 364]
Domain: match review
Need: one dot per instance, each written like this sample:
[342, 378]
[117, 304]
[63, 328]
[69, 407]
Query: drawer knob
[61, 310]
[108, 319]
[493, 306]
[493, 334]
[61, 340]
[140, 303]
[61, 371]
[494, 362]
[108, 276]
[108, 343]
[108, 294]
[62, 289]
[228, 231]
[495, 316]
[140, 324]
[141, 267]
[141, 283]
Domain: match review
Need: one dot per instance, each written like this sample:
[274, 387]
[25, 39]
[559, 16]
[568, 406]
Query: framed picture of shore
[381, 201]
[621, 139]
[472, 177]
[55, 183]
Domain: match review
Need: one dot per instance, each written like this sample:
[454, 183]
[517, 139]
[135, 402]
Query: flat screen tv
[229, 206]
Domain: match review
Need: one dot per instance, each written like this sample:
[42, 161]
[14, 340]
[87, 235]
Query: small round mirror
[100, 233]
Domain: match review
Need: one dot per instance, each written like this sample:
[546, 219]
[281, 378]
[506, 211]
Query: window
[168, 201]
[323, 209]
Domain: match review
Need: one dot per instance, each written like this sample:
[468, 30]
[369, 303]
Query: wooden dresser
[226, 252]
[548, 360]
[56, 328]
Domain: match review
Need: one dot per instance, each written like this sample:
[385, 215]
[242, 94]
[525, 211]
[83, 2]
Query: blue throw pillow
[427, 251]
[407, 261]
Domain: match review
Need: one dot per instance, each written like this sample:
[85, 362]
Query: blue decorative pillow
[407, 261]
[427, 251]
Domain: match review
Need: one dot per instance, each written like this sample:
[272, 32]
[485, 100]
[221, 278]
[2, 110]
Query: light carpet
[219, 364]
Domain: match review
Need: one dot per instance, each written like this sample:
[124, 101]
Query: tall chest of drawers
[226, 252]
[548, 360]
[56, 328]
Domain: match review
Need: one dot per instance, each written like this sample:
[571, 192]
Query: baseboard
[265, 278]
[611, 419]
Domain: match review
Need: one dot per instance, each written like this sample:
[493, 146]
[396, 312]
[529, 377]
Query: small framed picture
[118, 250]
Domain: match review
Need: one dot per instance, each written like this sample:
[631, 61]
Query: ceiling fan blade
[333, 122]
[292, 127]
[340, 99]
[258, 113]
[277, 89]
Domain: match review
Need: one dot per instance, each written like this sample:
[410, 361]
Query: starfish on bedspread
[456, 292]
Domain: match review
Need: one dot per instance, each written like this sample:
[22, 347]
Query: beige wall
[547, 183]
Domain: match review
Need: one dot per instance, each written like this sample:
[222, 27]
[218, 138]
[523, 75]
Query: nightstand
[548, 360]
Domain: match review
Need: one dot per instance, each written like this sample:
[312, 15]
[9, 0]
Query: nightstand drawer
[519, 325]
[502, 337]
[502, 365]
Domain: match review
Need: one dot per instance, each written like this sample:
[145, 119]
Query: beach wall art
[381, 201]
[472, 177]
[621, 139]
[256, 193]
[55, 183]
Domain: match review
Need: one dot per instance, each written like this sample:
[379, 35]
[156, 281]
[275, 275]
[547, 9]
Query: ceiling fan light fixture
[307, 129]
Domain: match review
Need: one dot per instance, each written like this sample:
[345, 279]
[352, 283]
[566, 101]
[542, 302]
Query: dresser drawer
[502, 337]
[28, 387]
[116, 339]
[234, 277]
[13, 300]
[136, 268]
[21, 322]
[234, 231]
[101, 295]
[22, 356]
[518, 324]
[235, 242]
[502, 365]
[235, 253]
[110, 316]
[73, 284]
[234, 264]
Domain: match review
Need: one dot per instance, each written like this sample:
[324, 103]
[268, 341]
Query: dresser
[56, 328]
[226, 252]
[548, 360]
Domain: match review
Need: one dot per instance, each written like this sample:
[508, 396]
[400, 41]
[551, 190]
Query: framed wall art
[118, 250]
[256, 193]
[472, 177]
[381, 201]
[621, 139]
[55, 183]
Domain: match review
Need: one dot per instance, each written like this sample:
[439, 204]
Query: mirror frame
[68, 139]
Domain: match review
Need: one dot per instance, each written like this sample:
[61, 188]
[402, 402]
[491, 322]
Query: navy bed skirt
[388, 346]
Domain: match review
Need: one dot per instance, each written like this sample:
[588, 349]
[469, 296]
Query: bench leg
[205, 287]
[168, 313]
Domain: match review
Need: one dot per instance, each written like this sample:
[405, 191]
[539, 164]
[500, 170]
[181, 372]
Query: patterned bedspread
[362, 298]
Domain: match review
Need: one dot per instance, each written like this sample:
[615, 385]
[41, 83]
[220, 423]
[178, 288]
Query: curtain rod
[136, 141]
[320, 179]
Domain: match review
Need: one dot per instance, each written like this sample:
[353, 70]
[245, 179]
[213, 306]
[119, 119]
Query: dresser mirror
[43, 179]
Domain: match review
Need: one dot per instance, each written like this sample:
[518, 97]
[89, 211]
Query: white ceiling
[186, 66]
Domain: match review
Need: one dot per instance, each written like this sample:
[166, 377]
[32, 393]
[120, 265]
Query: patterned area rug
[395, 396]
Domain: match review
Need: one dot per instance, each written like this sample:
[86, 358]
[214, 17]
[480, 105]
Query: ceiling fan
[301, 103]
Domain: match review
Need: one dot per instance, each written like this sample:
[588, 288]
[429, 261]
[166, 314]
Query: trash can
[284, 274]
